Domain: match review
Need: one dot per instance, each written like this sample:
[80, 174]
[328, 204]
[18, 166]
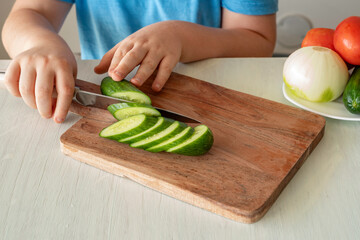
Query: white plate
[334, 109]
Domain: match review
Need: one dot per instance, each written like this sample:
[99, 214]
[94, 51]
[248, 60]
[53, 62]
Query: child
[151, 34]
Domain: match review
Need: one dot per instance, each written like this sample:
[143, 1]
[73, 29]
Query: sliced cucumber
[128, 127]
[161, 124]
[172, 142]
[199, 143]
[142, 126]
[124, 110]
[123, 90]
[157, 138]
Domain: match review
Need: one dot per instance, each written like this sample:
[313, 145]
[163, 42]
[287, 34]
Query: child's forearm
[42, 60]
[200, 42]
[25, 29]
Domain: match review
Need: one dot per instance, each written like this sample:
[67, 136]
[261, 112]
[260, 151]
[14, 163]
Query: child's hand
[157, 46]
[35, 73]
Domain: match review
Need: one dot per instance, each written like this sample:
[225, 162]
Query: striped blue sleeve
[251, 7]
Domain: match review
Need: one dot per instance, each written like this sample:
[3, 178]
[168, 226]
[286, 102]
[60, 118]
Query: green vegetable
[124, 110]
[199, 143]
[157, 138]
[141, 126]
[123, 90]
[172, 142]
[128, 127]
[160, 125]
[351, 95]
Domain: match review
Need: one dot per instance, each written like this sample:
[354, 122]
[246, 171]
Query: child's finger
[65, 90]
[12, 76]
[104, 64]
[44, 87]
[166, 66]
[146, 69]
[132, 59]
[120, 52]
[27, 86]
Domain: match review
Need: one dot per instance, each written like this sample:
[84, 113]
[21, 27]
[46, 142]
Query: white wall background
[320, 13]
[5, 7]
[294, 19]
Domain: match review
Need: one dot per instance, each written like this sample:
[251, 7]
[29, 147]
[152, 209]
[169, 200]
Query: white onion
[316, 74]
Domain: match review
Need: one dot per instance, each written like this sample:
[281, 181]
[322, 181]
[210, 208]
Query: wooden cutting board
[259, 146]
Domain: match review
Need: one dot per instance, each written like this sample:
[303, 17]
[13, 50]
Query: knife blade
[86, 98]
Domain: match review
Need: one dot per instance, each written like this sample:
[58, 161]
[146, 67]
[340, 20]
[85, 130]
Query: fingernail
[135, 81]
[157, 87]
[114, 77]
[120, 74]
[59, 120]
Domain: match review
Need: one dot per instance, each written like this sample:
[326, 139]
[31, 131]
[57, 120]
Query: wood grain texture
[259, 145]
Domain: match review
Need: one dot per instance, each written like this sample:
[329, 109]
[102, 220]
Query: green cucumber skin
[165, 124]
[158, 148]
[138, 108]
[109, 87]
[195, 149]
[117, 106]
[351, 95]
[146, 124]
[177, 130]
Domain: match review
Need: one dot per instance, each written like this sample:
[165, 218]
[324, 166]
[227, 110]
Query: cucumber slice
[128, 127]
[124, 110]
[123, 90]
[157, 138]
[199, 143]
[161, 124]
[172, 142]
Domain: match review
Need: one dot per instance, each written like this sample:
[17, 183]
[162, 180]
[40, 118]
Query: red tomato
[322, 37]
[347, 40]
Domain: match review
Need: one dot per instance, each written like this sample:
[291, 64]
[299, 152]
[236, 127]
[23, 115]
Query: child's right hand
[35, 73]
[155, 47]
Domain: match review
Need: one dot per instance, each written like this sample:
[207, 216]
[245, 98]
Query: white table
[46, 195]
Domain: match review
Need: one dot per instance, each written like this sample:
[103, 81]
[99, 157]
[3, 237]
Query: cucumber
[172, 142]
[199, 143]
[128, 127]
[124, 110]
[141, 126]
[351, 95]
[123, 90]
[161, 124]
[157, 138]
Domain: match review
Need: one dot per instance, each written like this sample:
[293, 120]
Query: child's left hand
[157, 46]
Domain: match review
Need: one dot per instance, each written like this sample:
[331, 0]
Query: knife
[86, 98]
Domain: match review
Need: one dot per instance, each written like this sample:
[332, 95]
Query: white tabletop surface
[47, 195]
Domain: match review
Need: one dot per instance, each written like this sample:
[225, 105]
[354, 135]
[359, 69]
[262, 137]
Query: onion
[317, 74]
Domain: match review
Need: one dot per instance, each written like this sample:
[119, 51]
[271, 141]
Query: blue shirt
[102, 24]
